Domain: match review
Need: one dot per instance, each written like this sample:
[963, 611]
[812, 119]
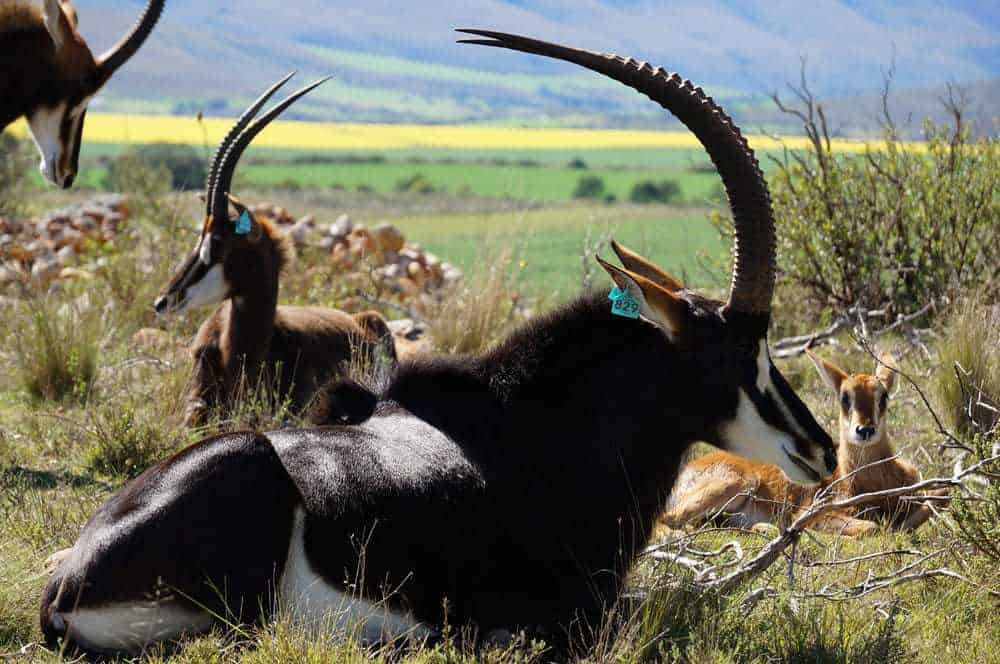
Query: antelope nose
[161, 304]
[68, 181]
[864, 433]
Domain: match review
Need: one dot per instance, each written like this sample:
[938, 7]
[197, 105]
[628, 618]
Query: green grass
[550, 241]
[527, 183]
[535, 176]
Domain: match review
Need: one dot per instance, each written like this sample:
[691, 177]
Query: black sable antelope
[501, 490]
[249, 338]
[49, 75]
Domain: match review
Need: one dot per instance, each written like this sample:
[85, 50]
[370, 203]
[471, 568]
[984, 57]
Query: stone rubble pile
[401, 267]
[43, 250]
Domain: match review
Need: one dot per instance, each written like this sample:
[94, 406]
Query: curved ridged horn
[749, 199]
[239, 126]
[118, 54]
[224, 177]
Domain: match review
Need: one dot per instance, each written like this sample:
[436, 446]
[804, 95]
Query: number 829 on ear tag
[623, 304]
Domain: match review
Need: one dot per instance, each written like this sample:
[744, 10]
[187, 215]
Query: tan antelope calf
[49, 75]
[250, 338]
[745, 493]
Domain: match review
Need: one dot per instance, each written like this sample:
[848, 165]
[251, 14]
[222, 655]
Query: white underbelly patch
[132, 626]
[316, 605]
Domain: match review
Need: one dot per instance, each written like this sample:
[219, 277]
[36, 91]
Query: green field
[537, 177]
[551, 241]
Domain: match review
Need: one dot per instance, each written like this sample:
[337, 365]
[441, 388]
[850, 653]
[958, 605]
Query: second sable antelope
[250, 339]
[48, 75]
[722, 486]
[504, 490]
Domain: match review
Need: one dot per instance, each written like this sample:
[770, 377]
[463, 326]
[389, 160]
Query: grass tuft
[56, 346]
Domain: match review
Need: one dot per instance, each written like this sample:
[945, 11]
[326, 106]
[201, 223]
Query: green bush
[648, 191]
[124, 443]
[577, 163]
[415, 184]
[978, 518]
[969, 354]
[181, 165]
[145, 184]
[589, 186]
[897, 226]
[968, 391]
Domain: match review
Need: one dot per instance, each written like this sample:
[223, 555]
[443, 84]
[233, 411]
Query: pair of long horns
[754, 244]
[119, 54]
[227, 155]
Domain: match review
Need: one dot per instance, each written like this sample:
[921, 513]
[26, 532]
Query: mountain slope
[395, 60]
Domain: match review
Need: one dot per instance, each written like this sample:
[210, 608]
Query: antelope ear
[52, 15]
[886, 370]
[245, 224]
[71, 15]
[656, 304]
[832, 374]
[643, 267]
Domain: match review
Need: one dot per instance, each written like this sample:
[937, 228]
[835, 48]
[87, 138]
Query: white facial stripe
[315, 604]
[763, 368]
[210, 289]
[205, 249]
[764, 384]
[749, 435]
[44, 125]
[132, 626]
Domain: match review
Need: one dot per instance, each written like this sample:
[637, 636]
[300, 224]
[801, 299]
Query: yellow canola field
[343, 136]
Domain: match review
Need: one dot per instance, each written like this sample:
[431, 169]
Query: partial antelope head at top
[227, 247]
[863, 399]
[50, 76]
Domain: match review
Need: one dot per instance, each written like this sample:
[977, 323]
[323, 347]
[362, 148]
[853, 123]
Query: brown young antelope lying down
[48, 75]
[723, 486]
[502, 490]
[249, 340]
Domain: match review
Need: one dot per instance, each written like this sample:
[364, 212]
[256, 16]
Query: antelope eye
[845, 400]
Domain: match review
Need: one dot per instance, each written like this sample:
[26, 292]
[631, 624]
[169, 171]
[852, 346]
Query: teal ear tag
[623, 304]
[243, 223]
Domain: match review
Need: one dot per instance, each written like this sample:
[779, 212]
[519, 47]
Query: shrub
[187, 167]
[15, 166]
[648, 191]
[288, 184]
[577, 163]
[128, 173]
[978, 518]
[56, 347]
[180, 166]
[589, 186]
[968, 389]
[970, 368]
[125, 443]
[894, 227]
[415, 184]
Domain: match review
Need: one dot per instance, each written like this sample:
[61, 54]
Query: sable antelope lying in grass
[49, 75]
[249, 338]
[507, 489]
[724, 486]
